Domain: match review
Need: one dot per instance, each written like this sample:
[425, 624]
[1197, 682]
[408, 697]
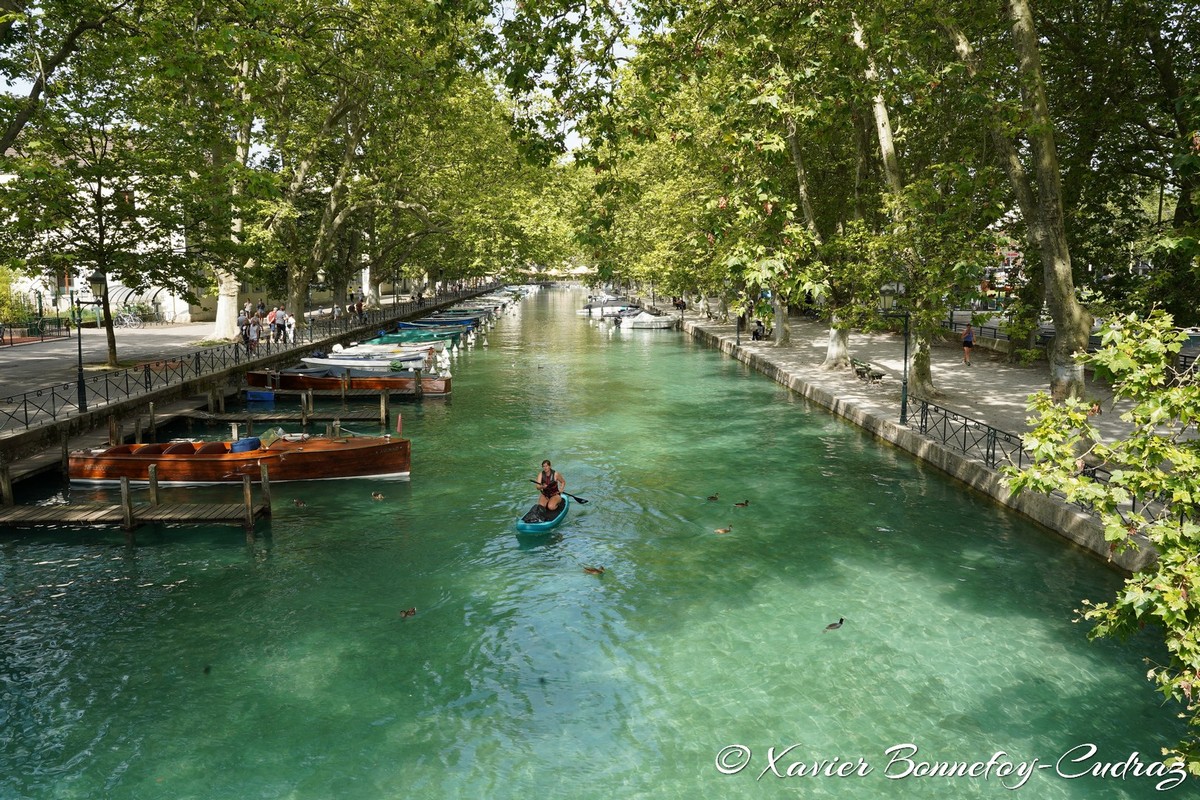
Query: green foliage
[1152, 497]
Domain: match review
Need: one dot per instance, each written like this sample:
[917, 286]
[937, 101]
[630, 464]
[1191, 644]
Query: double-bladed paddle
[579, 500]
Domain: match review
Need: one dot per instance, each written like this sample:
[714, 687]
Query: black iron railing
[51, 404]
[996, 449]
[974, 439]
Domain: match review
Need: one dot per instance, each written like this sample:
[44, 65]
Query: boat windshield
[269, 437]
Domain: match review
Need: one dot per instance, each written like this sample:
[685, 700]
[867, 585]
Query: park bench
[867, 372]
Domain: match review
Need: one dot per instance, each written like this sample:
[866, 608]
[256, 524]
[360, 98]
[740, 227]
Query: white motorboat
[644, 319]
[338, 364]
[604, 308]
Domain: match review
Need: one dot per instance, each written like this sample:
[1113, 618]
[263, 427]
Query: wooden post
[212, 400]
[418, 387]
[303, 412]
[384, 407]
[66, 453]
[137, 430]
[266, 489]
[248, 499]
[337, 429]
[126, 504]
[153, 425]
[6, 489]
[114, 430]
[153, 475]
[344, 385]
[328, 430]
[312, 401]
[221, 400]
[234, 430]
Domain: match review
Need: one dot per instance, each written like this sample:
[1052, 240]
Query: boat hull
[431, 385]
[289, 459]
[548, 525]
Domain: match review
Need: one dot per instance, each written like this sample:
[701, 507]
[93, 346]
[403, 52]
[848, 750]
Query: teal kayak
[534, 522]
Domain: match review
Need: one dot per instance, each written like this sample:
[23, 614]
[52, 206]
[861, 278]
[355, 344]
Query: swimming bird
[298, 503]
[742, 504]
[594, 570]
[723, 530]
[833, 626]
[712, 498]
[408, 612]
[376, 495]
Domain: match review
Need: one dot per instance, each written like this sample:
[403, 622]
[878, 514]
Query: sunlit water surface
[200, 665]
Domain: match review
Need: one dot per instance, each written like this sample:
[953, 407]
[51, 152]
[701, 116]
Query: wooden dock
[129, 515]
[87, 514]
[282, 416]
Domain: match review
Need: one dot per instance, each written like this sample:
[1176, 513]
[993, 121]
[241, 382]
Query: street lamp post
[98, 283]
[887, 303]
[309, 314]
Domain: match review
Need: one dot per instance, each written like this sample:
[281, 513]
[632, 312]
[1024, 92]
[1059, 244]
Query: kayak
[534, 522]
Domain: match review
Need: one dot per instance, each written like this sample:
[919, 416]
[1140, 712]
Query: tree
[1157, 468]
[91, 192]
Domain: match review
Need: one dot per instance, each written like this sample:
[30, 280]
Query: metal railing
[972, 438]
[54, 403]
[996, 449]
[39, 329]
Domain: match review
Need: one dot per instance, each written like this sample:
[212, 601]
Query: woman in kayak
[551, 483]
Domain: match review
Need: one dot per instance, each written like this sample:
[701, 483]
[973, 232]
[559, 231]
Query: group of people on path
[259, 324]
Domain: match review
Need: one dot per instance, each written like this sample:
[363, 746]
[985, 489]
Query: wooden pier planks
[83, 514]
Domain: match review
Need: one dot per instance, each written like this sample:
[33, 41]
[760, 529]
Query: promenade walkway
[990, 392]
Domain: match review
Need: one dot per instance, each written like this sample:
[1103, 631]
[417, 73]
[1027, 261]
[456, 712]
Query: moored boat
[381, 365]
[288, 457]
[644, 319]
[535, 520]
[322, 379]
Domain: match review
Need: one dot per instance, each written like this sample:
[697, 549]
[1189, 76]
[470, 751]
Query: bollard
[6, 488]
[248, 500]
[266, 489]
[126, 504]
[152, 476]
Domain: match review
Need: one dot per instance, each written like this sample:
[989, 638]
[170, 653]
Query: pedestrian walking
[968, 342]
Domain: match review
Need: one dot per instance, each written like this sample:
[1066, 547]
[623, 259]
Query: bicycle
[127, 319]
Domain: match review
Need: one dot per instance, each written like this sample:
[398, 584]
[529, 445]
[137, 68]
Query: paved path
[32, 365]
[991, 390]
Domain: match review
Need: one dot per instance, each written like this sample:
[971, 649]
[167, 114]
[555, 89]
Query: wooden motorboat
[320, 378]
[288, 457]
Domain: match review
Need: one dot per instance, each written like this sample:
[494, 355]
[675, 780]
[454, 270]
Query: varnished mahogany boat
[288, 457]
[318, 378]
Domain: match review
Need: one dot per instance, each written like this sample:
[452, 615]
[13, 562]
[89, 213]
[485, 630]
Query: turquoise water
[202, 665]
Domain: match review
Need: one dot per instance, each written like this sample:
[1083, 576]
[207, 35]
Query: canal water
[200, 665]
